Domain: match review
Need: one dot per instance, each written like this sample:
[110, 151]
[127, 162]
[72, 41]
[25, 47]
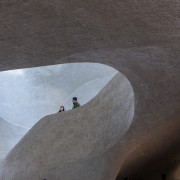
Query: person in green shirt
[75, 103]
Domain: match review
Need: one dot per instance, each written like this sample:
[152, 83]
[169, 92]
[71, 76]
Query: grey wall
[10, 134]
[27, 95]
[73, 144]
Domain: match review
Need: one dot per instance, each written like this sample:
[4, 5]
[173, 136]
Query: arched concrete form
[40, 33]
[138, 38]
[10, 135]
[27, 95]
[75, 144]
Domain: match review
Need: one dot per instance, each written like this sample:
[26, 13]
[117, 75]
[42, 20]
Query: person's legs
[163, 176]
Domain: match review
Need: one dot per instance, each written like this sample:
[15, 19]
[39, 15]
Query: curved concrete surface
[71, 141]
[27, 95]
[10, 135]
[140, 39]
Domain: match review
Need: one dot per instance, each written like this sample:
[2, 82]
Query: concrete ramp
[76, 144]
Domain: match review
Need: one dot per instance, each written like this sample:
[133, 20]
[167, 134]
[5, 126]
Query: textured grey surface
[27, 95]
[139, 38]
[10, 134]
[58, 143]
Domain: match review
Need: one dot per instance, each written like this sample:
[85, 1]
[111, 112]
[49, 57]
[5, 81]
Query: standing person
[61, 109]
[75, 103]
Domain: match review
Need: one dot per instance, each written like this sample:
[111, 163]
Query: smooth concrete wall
[27, 95]
[72, 145]
[10, 134]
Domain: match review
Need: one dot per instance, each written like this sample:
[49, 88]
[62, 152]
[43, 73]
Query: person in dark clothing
[75, 103]
[163, 176]
[61, 109]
